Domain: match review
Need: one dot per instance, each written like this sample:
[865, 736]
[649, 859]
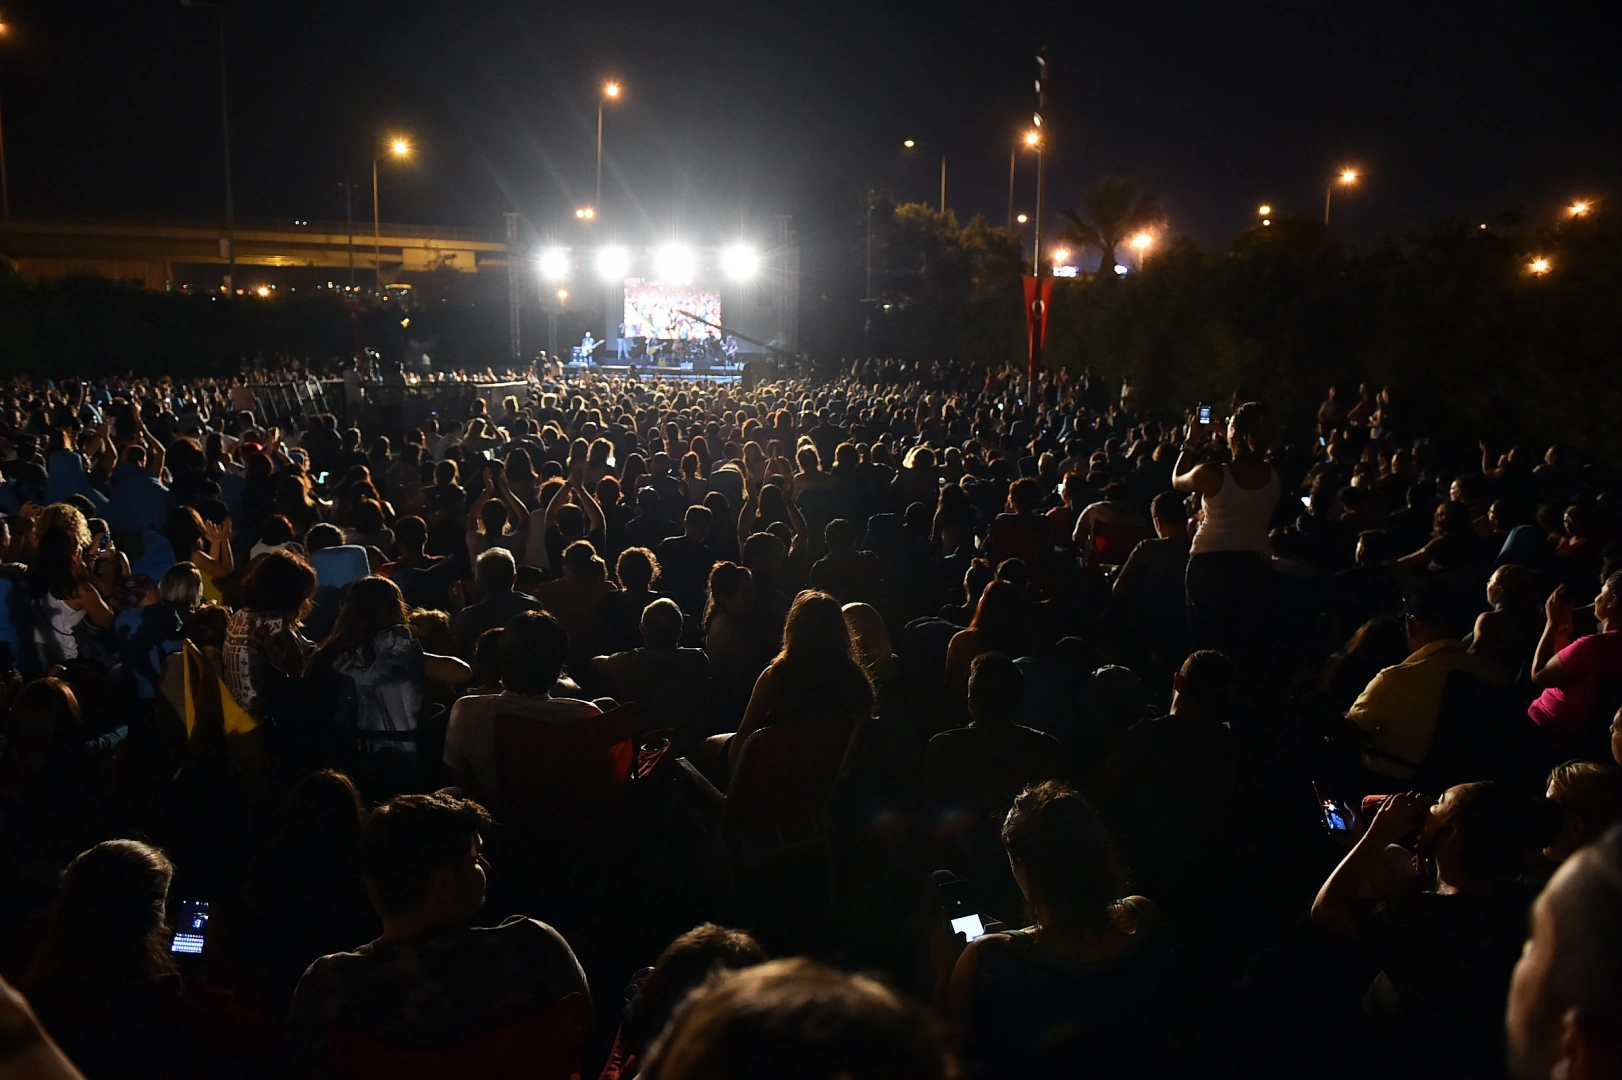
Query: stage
[681, 372]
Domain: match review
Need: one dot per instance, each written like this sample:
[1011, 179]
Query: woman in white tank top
[1229, 577]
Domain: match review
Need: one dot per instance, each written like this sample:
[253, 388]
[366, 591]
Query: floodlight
[674, 264]
[740, 263]
[554, 264]
[613, 263]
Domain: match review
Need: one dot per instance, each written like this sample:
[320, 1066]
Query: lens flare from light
[613, 263]
[740, 262]
[674, 264]
[554, 264]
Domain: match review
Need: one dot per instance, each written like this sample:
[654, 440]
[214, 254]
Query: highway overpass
[168, 255]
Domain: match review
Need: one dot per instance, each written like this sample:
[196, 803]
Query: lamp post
[1031, 141]
[225, 128]
[1141, 244]
[610, 90]
[400, 148]
[911, 144]
[1347, 177]
[5, 189]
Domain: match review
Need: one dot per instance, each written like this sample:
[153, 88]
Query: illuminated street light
[674, 264]
[740, 263]
[400, 148]
[5, 188]
[1141, 243]
[1539, 265]
[611, 92]
[1347, 177]
[1060, 256]
[911, 144]
[554, 264]
[1022, 218]
[1578, 209]
[613, 263]
[586, 213]
[1264, 210]
[263, 290]
[1031, 141]
[563, 296]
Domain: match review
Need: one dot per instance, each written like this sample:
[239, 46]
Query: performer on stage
[732, 349]
[586, 347]
[622, 347]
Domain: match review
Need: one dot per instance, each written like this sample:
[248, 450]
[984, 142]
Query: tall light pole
[911, 144]
[1037, 120]
[1140, 243]
[867, 288]
[400, 148]
[225, 128]
[5, 188]
[349, 220]
[610, 90]
[1031, 141]
[1347, 177]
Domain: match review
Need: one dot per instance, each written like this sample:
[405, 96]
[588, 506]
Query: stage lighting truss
[740, 262]
[554, 264]
[675, 264]
[613, 263]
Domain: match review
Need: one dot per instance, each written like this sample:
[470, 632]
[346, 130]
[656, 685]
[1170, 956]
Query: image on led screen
[655, 311]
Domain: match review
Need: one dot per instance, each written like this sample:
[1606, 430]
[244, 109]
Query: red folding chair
[778, 796]
[1113, 543]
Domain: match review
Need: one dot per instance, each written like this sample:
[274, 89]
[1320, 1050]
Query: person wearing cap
[1398, 710]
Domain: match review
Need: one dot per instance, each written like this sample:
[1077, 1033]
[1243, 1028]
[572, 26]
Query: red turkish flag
[1038, 296]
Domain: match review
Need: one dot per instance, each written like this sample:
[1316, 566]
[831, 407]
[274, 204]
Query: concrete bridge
[152, 251]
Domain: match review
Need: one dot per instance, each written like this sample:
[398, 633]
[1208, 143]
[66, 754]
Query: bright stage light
[740, 263]
[554, 264]
[613, 263]
[674, 264]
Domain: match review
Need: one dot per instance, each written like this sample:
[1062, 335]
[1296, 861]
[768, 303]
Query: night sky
[735, 112]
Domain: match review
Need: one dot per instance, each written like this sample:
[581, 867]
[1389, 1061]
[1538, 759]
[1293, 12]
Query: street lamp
[1347, 177]
[225, 128]
[1578, 209]
[611, 90]
[586, 213]
[1022, 218]
[1539, 265]
[1141, 242]
[5, 189]
[1060, 255]
[912, 144]
[1031, 141]
[400, 148]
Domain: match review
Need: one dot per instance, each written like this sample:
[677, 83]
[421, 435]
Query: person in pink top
[1572, 672]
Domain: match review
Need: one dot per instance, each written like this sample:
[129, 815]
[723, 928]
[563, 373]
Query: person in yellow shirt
[1398, 710]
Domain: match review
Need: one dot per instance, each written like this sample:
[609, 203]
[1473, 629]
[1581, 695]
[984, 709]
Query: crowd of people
[914, 721]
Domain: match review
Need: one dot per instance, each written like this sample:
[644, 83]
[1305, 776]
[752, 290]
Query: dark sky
[734, 112]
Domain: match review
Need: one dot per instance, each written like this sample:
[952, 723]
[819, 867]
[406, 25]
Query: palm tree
[1115, 210]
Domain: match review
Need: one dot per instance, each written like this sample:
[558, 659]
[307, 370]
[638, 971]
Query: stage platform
[682, 372]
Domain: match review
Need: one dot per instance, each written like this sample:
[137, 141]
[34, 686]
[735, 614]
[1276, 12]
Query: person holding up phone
[1228, 564]
[1075, 993]
[1445, 947]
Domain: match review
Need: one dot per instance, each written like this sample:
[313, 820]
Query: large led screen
[660, 311]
